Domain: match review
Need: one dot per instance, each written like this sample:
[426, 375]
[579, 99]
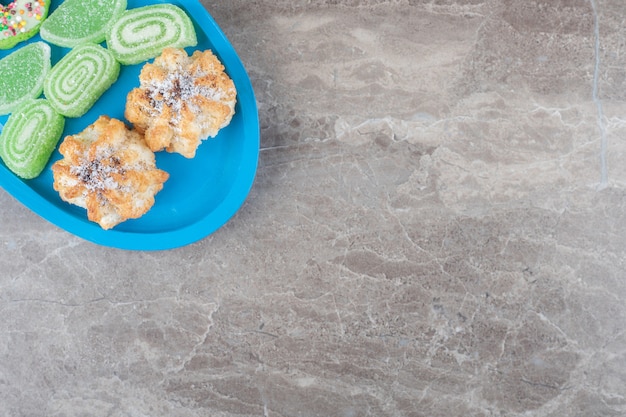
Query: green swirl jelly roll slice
[76, 22]
[23, 73]
[78, 80]
[142, 33]
[29, 137]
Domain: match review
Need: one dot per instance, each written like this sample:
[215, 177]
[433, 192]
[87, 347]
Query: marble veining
[596, 73]
[436, 229]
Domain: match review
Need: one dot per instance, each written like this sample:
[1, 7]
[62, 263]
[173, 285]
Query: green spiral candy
[142, 33]
[78, 80]
[29, 137]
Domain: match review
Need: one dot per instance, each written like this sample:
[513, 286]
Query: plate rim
[204, 225]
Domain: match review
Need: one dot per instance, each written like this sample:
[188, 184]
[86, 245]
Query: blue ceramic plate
[202, 193]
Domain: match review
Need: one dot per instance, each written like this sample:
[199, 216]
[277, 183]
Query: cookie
[181, 100]
[108, 170]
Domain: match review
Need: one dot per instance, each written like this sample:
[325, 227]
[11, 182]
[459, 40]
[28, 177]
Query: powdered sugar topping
[97, 174]
[177, 90]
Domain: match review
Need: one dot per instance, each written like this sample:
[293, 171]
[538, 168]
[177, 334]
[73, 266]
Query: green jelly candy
[142, 33]
[78, 80]
[76, 22]
[23, 72]
[29, 137]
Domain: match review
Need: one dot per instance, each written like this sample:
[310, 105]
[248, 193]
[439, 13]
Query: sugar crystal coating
[30, 136]
[76, 22]
[23, 72]
[143, 33]
[77, 81]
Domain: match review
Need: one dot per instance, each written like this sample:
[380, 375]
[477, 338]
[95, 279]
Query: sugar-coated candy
[144, 32]
[75, 83]
[23, 72]
[29, 137]
[76, 22]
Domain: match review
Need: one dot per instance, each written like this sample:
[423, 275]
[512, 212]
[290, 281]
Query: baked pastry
[23, 72]
[143, 32]
[20, 20]
[76, 22]
[29, 137]
[181, 101]
[109, 170]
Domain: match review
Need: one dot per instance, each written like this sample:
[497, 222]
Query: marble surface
[437, 228]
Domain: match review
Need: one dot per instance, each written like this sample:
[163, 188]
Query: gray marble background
[437, 228]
